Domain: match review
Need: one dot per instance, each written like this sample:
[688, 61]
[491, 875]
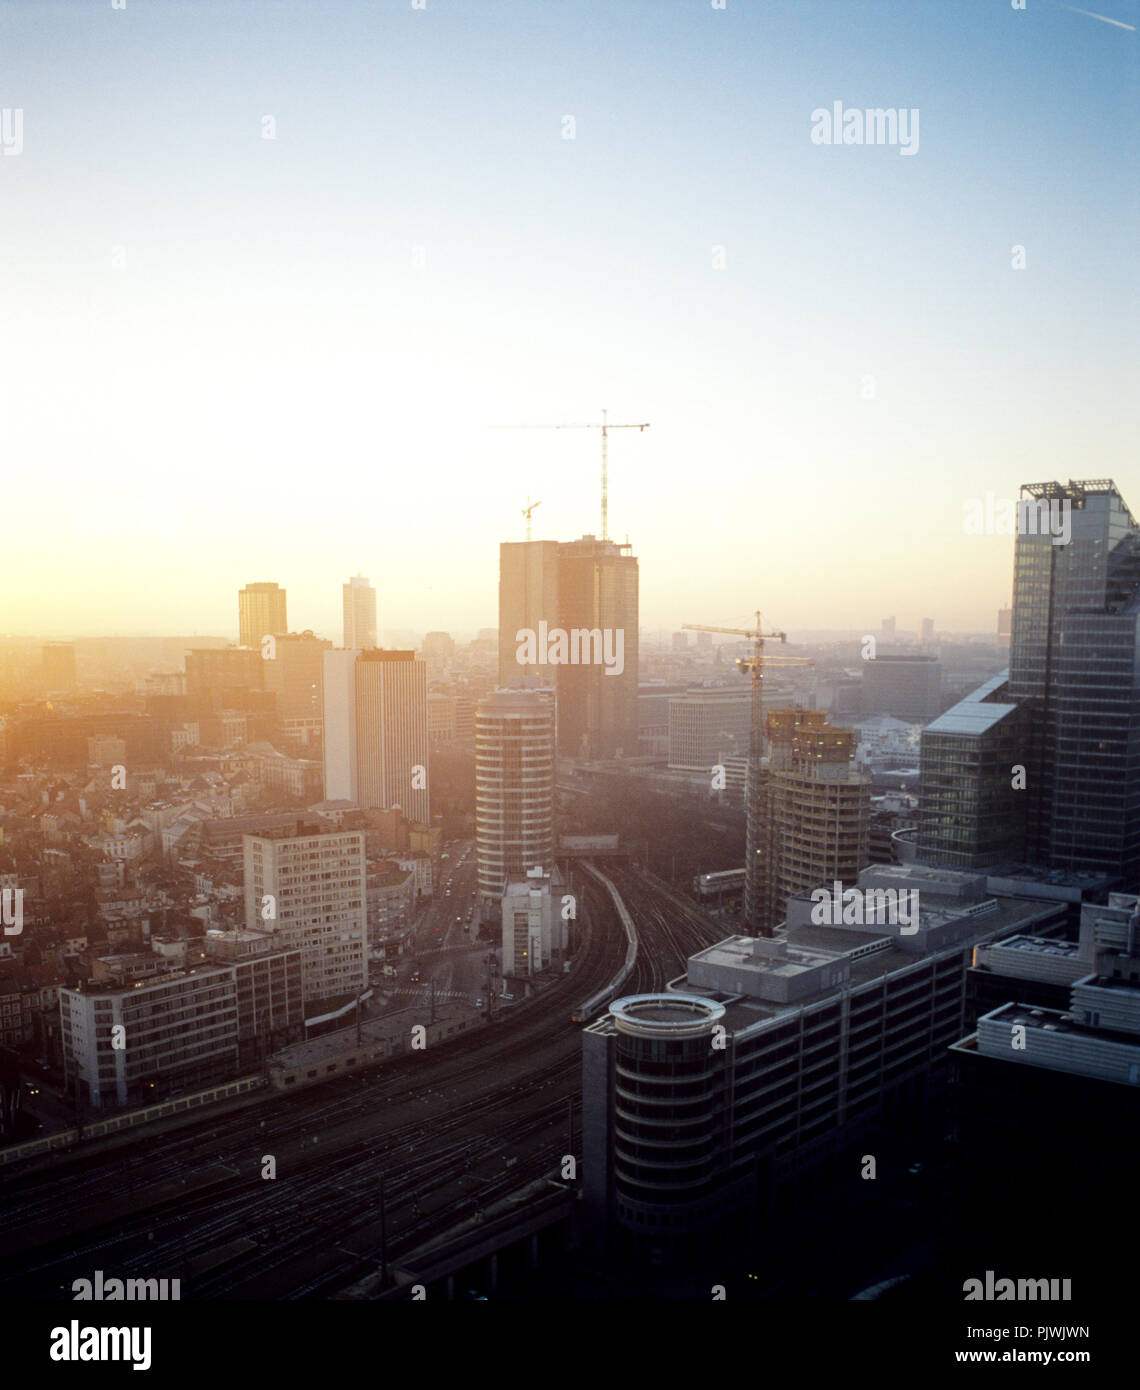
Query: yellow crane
[530, 506]
[757, 841]
[605, 428]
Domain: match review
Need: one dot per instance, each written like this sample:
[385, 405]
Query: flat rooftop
[871, 953]
[377, 1030]
[1040, 946]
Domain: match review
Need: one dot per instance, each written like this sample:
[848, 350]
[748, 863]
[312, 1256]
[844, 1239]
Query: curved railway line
[449, 1131]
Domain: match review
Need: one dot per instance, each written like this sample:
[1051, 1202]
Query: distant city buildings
[261, 613]
[295, 675]
[708, 726]
[59, 667]
[903, 685]
[360, 630]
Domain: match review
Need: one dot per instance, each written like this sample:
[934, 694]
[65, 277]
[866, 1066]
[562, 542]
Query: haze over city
[569, 679]
[229, 355]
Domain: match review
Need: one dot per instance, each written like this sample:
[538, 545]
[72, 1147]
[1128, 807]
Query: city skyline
[569, 670]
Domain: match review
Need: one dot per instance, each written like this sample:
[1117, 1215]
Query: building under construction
[809, 813]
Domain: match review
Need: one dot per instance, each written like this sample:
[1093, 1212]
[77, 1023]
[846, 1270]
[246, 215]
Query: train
[596, 1002]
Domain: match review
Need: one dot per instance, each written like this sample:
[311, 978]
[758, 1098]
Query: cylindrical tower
[514, 786]
[668, 1107]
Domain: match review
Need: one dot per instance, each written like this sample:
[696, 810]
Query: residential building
[514, 787]
[309, 887]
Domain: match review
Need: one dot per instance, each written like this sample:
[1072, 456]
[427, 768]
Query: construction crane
[605, 428]
[530, 506]
[757, 833]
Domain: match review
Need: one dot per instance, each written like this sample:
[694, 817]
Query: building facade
[514, 787]
[261, 613]
[585, 586]
[376, 731]
[309, 887]
[359, 603]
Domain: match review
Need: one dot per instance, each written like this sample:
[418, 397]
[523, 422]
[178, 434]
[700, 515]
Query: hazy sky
[229, 358]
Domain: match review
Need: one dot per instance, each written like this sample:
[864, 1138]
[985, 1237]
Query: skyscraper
[359, 614]
[261, 613]
[514, 787]
[1074, 678]
[1075, 663]
[588, 590]
[376, 731]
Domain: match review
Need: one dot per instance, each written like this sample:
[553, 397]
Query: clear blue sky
[225, 343]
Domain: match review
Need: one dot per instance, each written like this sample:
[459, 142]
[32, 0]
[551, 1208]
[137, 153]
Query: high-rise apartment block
[376, 731]
[309, 886]
[261, 613]
[587, 591]
[360, 632]
[514, 787]
[813, 813]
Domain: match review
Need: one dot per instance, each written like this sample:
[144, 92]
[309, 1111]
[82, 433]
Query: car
[915, 1168]
[478, 1003]
[459, 919]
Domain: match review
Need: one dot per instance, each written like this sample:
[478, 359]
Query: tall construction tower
[759, 847]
